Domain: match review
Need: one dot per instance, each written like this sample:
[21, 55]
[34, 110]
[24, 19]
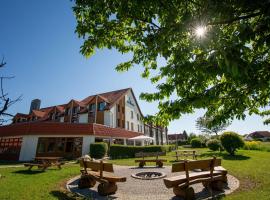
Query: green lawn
[250, 167]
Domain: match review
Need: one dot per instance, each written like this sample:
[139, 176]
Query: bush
[98, 150]
[252, 145]
[231, 141]
[213, 144]
[181, 143]
[122, 151]
[196, 143]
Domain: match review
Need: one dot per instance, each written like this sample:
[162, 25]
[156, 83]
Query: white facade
[28, 148]
[87, 140]
[132, 114]
[30, 143]
[83, 118]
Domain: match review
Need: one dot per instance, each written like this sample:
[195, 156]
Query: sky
[42, 51]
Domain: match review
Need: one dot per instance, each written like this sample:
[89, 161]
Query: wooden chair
[212, 175]
[102, 172]
[142, 155]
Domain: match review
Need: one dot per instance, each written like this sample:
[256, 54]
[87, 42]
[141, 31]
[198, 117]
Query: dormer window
[67, 111]
[75, 110]
[101, 106]
[56, 115]
[92, 107]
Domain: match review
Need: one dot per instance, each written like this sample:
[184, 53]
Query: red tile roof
[60, 128]
[38, 113]
[110, 97]
[101, 130]
[176, 136]
[259, 134]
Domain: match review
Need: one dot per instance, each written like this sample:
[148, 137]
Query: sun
[200, 31]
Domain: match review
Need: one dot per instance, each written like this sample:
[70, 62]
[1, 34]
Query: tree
[5, 101]
[191, 136]
[204, 125]
[185, 135]
[216, 52]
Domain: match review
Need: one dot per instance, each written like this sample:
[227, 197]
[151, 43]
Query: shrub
[98, 150]
[196, 143]
[231, 141]
[181, 143]
[252, 145]
[213, 144]
[122, 151]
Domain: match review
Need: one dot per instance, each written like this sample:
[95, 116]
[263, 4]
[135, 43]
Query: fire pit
[148, 175]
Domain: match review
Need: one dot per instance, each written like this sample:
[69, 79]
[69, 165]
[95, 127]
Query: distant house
[258, 135]
[172, 138]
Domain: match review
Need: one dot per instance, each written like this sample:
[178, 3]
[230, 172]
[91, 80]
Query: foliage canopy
[225, 71]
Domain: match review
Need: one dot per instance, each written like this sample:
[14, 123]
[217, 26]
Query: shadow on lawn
[224, 156]
[28, 172]
[64, 196]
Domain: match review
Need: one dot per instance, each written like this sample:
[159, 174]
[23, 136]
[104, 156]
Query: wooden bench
[212, 175]
[185, 154]
[142, 155]
[102, 172]
[44, 162]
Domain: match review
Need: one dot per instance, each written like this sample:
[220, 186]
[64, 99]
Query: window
[101, 106]
[132, 128]
[138, 117]
[67, 111]
[56, 115]
[51, 146]
[131, 114]
[75, 110]
[92, 107]
[123, 123]
[118, 108]
[138, 128]
[127, 125]
[141, 128]
[118, 122]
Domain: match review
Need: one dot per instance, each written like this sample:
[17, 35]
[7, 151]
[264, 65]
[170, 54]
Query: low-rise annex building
[67, 130]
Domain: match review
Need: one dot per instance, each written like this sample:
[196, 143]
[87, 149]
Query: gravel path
[135, 189]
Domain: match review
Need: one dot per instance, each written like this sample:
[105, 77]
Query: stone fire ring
[148, 175]
[134, 189]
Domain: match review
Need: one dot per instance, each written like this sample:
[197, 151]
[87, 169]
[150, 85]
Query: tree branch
[229, 21]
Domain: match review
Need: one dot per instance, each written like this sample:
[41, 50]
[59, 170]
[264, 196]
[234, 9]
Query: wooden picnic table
[45, 162]
[185, 154]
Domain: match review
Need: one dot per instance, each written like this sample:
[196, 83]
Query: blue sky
[41, 49]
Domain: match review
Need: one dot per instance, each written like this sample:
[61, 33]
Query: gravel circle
[134, 189]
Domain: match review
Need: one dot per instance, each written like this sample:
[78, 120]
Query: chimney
[35, 105]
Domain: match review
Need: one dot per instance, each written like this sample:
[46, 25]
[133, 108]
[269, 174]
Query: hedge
[122, 151]
[98, 150]
[213, 144]
[196, 143]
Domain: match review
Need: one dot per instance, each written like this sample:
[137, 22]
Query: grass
[250, 167]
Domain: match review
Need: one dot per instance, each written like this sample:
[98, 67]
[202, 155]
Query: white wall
[28, 148]
[87, 140]
[61, 119]
[108, 118]
[83, 118]
[135, 109]
[113, 116]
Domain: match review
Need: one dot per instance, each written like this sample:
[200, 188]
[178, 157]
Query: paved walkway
[135, 189]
